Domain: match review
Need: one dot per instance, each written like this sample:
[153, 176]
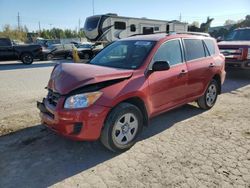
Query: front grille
[53, 97]
[235, 53]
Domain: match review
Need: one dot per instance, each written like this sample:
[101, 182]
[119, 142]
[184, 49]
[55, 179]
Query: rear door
[59, 51]
[167, 88]
[199, 66]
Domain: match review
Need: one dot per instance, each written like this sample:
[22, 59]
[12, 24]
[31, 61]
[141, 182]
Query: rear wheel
[122, 127]
[208, 100]
[27, 58]
[49, 57]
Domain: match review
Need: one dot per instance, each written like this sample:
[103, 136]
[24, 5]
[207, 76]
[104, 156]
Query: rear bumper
[238, 64]
[77, 124]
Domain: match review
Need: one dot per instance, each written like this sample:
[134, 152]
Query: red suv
[131, 80]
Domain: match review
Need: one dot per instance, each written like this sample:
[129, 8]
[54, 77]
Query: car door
[198, 66]
[6, 50]
[167, 88]
[60, 52]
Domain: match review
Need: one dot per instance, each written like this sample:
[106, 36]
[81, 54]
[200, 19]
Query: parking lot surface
[186, 147]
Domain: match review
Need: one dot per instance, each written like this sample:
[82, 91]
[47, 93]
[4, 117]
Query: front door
[168, 88]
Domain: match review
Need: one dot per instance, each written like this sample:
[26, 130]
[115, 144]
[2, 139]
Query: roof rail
[192, 33]
[173, 32]
[159, 32]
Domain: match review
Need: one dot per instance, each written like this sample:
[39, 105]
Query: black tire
[66, 56]
[109, 131]
[86, 55]
[208, 100]
[27, 58]
[49, 57]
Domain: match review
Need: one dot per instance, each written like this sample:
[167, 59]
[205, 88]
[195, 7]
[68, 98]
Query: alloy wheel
[125, 129]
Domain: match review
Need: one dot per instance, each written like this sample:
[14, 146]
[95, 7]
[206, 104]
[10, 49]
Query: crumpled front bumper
[76, 124]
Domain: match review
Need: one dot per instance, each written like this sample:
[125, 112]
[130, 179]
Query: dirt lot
[187, 147]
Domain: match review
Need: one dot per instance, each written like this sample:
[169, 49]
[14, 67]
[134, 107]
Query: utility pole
[39, 27]
[93, 6]
[18, 21]
[180, 17]
[50, 26]
[79, 25]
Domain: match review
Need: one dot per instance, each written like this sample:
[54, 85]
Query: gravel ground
[186, 147]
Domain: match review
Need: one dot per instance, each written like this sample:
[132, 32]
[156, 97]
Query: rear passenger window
[210, 46]
[169, 51]
[194, 49]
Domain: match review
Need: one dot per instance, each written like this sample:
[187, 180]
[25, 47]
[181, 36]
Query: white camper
[111, 27]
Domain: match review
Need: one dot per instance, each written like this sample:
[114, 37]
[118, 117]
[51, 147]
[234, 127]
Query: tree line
[221, 31]
[23, 34]
[224, 31]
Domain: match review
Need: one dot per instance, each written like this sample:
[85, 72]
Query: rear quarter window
[210, 46]
[194, 49]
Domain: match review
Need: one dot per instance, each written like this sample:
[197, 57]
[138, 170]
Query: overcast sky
[66, 13]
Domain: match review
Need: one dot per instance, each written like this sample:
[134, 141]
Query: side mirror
[160, 66]
[219, 39]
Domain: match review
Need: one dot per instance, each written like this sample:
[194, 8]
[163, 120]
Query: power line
[93, 6]
[18, 21]
[39, 25]
[79, 25]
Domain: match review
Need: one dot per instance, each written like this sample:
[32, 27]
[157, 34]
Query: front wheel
[50, 57]
[27, 58]
[208, 100]
[122, 127]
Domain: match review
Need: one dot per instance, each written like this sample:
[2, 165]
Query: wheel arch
[218, 80]
[138, 102]
[25, 52]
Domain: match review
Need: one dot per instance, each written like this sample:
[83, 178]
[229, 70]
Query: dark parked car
[25, 53]
[129, 82]
[85, 51]
[57, 51]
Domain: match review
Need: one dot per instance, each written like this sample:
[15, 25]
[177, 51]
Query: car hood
[67, 77]
[234, 44]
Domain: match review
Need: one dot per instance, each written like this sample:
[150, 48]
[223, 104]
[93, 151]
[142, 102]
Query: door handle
[212, 65]
[183, 72]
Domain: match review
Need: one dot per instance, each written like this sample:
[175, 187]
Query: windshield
[91, 23]
[123, 54]
[239, 35]
[85, 46]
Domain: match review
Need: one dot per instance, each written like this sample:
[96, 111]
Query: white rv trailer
[111, 27]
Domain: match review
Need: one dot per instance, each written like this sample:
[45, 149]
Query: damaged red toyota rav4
[131, 80]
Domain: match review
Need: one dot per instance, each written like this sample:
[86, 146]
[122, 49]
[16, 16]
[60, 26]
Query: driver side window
[169, 51]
